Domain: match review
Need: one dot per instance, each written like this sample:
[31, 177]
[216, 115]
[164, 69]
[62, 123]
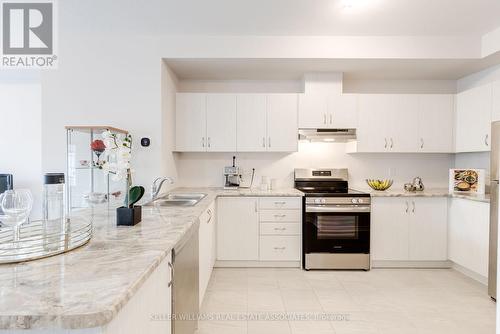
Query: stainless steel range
[336, 221]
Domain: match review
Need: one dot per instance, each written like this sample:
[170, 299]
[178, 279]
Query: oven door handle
[340, 209]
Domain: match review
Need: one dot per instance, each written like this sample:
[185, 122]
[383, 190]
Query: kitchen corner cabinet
[473, 119]
[409, 229]
[405, 123]
[468, 231]
[207, 248]
[238, 229]
[191, 122]
[323, 111]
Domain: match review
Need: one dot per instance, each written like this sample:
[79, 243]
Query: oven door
[337, 229]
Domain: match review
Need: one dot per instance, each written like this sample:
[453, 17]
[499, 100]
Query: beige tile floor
[403, 301]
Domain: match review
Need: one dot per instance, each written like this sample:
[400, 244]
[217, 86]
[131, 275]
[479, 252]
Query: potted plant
[118, 150]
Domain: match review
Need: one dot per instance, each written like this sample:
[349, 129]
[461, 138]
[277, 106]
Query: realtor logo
[28, 34]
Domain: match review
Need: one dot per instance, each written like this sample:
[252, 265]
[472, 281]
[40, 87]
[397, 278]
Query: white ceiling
[292, 69]
[284, 17]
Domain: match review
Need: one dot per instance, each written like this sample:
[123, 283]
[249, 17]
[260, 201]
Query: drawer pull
[280, 216]
[279, 248]
[280, 203]
[280, 228]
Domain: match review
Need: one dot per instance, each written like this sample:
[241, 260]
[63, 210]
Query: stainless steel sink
[178, 199]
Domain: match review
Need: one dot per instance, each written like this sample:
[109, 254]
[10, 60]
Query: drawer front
[292, 216]
[279, 229]
[280, 248]
[269, 203]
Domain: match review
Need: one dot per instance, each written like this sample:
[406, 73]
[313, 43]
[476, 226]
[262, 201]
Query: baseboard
[411, 264]
[469, 273]
[257, 264]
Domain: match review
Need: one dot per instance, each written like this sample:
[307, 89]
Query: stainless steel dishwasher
[185, 295]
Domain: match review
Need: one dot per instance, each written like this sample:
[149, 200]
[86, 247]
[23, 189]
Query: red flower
[98, 146]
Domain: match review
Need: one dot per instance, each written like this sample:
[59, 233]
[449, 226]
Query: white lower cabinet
[468, 230]
[207, 250]
[409, 229]
[259, 230]
[238, 229]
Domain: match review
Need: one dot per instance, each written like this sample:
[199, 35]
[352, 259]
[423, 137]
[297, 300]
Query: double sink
[177, 199]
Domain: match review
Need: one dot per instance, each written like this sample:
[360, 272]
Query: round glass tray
[39, 239]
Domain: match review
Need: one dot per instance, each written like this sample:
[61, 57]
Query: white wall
[205, 169]
[20, 133]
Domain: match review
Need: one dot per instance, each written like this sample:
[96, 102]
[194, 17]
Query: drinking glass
[16, 206]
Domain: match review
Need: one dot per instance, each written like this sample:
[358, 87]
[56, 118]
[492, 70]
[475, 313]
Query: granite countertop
[431, 192]
[87, 287]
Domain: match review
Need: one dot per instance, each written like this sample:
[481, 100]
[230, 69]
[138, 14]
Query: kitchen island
[87, 289]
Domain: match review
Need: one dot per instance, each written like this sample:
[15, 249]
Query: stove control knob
[354, 201]
[360, 200]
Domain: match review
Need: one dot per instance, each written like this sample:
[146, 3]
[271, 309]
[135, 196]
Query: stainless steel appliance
[494, 178]
[185, 289]
[335, 223]
[328, 135]
[232, 176]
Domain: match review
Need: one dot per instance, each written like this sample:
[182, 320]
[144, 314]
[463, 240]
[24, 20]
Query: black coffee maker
[6, 183]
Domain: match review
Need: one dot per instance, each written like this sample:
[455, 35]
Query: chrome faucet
[155, 188]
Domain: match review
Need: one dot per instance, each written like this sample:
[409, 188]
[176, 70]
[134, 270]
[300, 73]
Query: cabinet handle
[256, 209]
[486, 140]
[279, 216]
[392, 143]
[280, 228]
[208, 141]
[324, 118]
[209, 216]
[280, 203]
[202, 141]
[269, 142]
[385, 139]
[421, 142]
[171, 274]
[413, 207]
[279, 248]
[331, 119]
[407, 207]
[263, 141]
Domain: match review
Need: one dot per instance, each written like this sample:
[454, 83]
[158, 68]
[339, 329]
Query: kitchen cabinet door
[221, 123]
[473, 119]
[190, 122]
[403, 122]
[251, 123]
[428, 229]
[313, 111]
[237, 229]
[373, 118]
[343, 111]
[389, 233]
[435, 123]
[282, 131]
[495, 112]
[206, 249]
[468, 231]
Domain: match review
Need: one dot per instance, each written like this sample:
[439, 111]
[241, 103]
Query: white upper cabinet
[324, 111]
[221, 123]
[495, 112]
[251, 126]
[282, 131]
[435, 123]
[404, 123]
[473, 119]
[313, 111]
[190, 122]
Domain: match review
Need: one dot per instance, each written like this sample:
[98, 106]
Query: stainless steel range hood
[328, 135]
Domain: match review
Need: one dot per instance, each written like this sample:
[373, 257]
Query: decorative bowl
[379, 185]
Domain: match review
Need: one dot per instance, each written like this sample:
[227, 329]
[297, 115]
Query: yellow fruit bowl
[379, 185]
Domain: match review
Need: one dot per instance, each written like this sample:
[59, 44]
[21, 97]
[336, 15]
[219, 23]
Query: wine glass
[16, 206]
